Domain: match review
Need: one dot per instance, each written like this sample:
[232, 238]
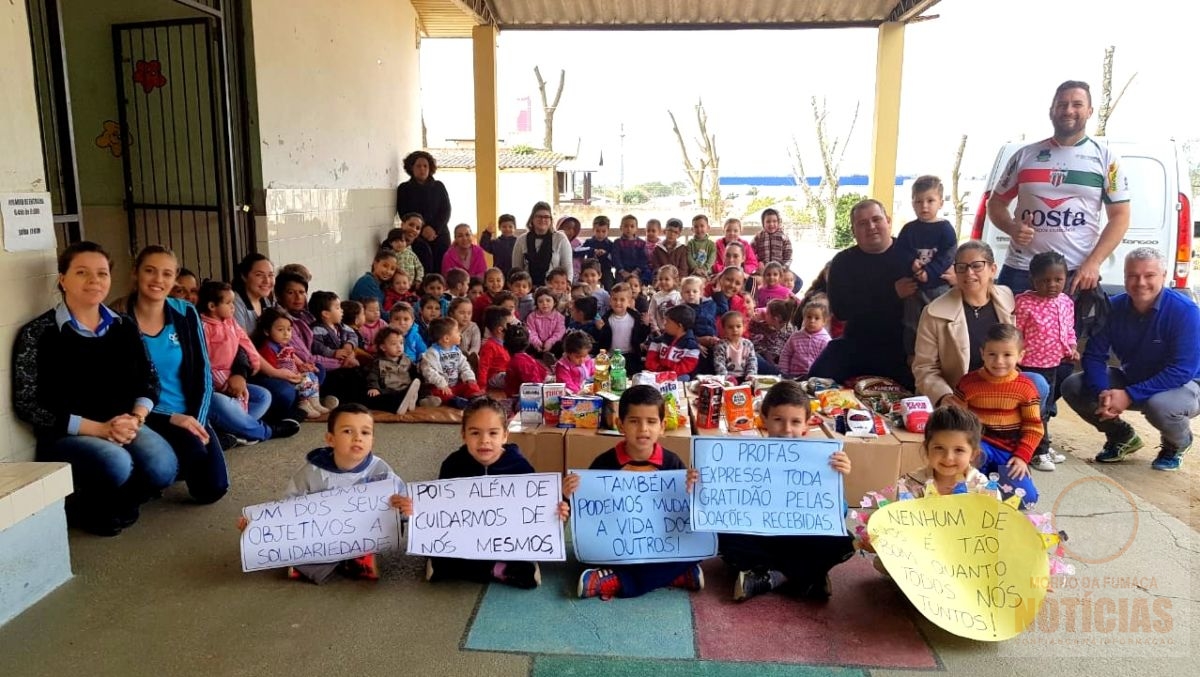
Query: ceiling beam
[907, 10]
[731, 26]
[483, 10]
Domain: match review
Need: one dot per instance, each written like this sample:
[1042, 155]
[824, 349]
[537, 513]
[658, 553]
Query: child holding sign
[765, 563]
[346, 461]
[640, 414]
[485, 451]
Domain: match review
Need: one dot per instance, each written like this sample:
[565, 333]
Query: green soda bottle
[620, 380]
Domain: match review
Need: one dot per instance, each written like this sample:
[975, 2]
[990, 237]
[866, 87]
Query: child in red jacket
[493, 358]
[676, 348]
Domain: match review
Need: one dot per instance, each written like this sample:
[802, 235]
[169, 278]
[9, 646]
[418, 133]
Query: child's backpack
[1092, 307]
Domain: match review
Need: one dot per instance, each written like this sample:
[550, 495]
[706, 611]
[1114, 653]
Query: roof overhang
[456, 18]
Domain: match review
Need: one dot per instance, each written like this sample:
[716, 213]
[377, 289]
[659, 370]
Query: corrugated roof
[464, 158]
[445, 18]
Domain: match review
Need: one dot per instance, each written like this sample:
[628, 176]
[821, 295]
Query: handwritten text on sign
[971, 564]
[770, 486]
[328, 526]
[497, 517]
[634, 517]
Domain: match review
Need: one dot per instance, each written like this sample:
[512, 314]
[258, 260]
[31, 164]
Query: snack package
[861, 423]
[531, 403]
[739, 408]
[914, 413]
[835, 402]
[580, 411]
[552, 402]
[764, 382]
[672, 392]
[708, 405]
[816, 384]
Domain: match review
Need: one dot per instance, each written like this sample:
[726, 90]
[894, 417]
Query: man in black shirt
[867, 287]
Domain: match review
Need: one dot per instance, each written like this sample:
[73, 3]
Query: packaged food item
[580, 411]
[816, 384]
[676, 404]
[764, 382]
[914, 413]
[708, 405]
[739, 408]
[531, 403]
[861, 423]
[834, 402]
[608, 415]
[552, 402]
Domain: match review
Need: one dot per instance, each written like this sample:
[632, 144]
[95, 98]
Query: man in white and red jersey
[1060, 185]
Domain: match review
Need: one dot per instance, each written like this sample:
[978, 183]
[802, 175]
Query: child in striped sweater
[1006, 402]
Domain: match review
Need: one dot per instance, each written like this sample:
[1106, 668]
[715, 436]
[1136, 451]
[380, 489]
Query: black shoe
[226, 441]
[818, 590]
[127, 516]
[285, 428]
[524, 575]
[98, 523]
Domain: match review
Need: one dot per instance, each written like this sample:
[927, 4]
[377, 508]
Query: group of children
[799, 564]
[726, 307]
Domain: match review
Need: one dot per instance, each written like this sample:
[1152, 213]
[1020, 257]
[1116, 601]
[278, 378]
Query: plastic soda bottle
[603, 378]
[620, 380]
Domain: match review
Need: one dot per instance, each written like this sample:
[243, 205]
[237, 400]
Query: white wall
[27, 277]
[338, 87]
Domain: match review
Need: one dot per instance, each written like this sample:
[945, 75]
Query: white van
[1160, 204]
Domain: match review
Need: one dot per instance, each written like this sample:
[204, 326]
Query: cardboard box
[542, 445]
[583, 446]
[911, 457]
[874, 462]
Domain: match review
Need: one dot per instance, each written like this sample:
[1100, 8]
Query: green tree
[634, 196]
[843, 234]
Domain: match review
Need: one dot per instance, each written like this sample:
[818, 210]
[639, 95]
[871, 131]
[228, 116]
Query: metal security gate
[178, 158]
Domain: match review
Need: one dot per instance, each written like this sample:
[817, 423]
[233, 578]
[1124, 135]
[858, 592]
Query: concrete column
[885, 132]
[487, 151]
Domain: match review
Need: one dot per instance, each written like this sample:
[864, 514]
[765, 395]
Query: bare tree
[833, 150]
[704, 174]
[1107, 104]
[958, 200]
[549, 108]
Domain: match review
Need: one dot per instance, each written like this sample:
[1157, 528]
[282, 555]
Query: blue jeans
[227, 414]
[639, 579]
[100, 468]
[201, 465]
[995, 460]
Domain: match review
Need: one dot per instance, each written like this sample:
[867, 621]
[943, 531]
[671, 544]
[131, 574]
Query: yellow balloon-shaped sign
[973, 565]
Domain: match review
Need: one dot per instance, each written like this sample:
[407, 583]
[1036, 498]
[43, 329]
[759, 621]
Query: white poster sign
[28, 221]
[495, 517]
[328, 526]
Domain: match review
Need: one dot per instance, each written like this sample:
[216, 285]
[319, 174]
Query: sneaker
[1055, 456]
[429, 401]
[410, 398]
[362, 568]
[459, 402]
[602, 583]
[294, 574]
[243, 442]
[330, 402]
[1042, 462]
[226, 441]
[752, 583]
[1169, 459]
[429, 569]
[285, 428]
[524, 575]
[692, 579]
[1117, 451]
[309, 410]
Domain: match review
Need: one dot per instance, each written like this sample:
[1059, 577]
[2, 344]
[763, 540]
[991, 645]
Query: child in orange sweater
[1006, 401]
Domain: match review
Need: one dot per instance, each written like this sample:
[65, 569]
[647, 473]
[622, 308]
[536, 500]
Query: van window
[1148, 183]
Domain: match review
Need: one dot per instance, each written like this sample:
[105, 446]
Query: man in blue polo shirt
[1155, 334]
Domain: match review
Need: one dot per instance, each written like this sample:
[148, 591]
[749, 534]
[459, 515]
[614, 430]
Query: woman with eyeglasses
[951, 332]
[542, 249]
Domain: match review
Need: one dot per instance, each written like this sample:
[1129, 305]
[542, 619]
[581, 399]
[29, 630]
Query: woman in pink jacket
[465, 254]
[546, 325]
[237, 406]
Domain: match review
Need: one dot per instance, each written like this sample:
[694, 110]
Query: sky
[985, 69]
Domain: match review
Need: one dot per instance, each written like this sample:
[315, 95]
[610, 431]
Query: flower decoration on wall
[112, 138]
[149, 75]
